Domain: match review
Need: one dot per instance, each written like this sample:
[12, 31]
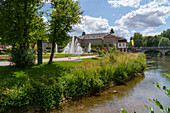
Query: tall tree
[17, 21]
[164, 42]
[138, 39]
[166, 33]
[65, 14]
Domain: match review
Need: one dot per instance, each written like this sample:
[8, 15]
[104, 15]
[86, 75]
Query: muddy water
[132, 96]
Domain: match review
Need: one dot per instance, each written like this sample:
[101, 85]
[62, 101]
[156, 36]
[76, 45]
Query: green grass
[46, 85]
[7, 78]
[47, 56]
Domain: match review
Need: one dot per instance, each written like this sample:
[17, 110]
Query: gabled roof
[94, 36]
[99, 36]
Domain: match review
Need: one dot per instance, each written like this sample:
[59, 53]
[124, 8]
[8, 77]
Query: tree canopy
[65, 14]
[152, 41]
[18, 20]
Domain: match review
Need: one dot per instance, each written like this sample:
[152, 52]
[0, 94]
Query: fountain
[73, 47]
[89, 48]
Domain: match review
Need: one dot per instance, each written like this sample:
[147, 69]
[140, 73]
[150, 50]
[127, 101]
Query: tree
[166, 34]
[164, 42]
[18, 21]
[138, 39]
[65, 14]
[40, 33]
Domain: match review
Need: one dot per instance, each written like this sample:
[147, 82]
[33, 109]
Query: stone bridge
[162, 50]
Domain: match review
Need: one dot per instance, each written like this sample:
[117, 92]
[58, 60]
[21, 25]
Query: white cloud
[153, 34]
[125, 3]
[149, 15]
[46, 1]
[44, 19]
[147, 31]
[98, 25]
[133, 31]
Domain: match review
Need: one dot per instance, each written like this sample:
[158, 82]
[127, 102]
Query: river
[132, 96]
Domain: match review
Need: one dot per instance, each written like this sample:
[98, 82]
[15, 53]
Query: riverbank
[46, 86]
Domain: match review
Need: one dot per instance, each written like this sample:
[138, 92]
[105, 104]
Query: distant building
[103, 40]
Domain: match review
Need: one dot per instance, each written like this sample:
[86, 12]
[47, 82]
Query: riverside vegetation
[46, 86]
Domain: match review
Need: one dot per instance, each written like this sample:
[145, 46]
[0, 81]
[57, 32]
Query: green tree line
[21, 24]
[161, 40]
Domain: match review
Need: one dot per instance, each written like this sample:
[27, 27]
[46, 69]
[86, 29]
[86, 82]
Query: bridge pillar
[163, 52]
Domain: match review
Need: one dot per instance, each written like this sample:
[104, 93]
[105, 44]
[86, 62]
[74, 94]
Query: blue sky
[148, 17]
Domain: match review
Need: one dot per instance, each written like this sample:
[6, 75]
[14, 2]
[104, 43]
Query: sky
[148, 17]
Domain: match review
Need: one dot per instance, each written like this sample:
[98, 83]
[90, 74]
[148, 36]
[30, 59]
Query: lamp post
[39, 44]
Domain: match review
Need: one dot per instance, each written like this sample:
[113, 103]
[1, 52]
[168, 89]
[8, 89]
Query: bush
[2, 52]
[93, 50]
[82, 46]
[111, 45]
[23, 58]
[100, 45]
[95, 58]
[105, 45]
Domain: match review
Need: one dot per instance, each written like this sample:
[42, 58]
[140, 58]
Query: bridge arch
[167, 52]
[152, 51]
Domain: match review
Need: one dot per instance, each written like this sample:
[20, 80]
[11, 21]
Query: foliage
[65, 14]
[110, 45]
[105, 45]
[100, 45]
[166, 33]
[18, 21]
[82, 46]
[165, 90]
[151, 41]
[46, 86]
[2, 52]
[164, 42]
[93, 50]
[23, 58]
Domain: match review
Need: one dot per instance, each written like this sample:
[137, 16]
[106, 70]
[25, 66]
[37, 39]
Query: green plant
[111, 45]
[23, 58]
[82, 46]
[95, 58]
[100, 45]
[2, 52]
[93, 50]
[105, 45]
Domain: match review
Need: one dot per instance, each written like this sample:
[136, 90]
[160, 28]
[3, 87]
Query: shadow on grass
[11, 76]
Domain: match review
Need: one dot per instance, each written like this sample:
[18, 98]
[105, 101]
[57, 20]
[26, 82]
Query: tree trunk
[52, 53]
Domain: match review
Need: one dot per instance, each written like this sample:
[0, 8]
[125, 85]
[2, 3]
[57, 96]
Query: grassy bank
[47, 86]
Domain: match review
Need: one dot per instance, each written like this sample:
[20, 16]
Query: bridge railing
[168, 47]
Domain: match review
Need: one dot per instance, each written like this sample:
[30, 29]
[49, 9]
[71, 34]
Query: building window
[119, 44]
[123, 44]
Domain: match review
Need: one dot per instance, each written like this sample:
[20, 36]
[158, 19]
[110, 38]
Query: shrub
[111, 45]
[2, 52]
[23, 58]
[100, 45]
[105, 45]
[82, 46]
[95, 58]
[93, 50]
[120, 74]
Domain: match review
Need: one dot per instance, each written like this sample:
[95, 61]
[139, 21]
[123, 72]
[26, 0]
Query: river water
[132, 96]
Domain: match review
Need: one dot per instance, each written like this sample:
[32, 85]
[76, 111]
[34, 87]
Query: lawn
[45, 56]
[11, 76]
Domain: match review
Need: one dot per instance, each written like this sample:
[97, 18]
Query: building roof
[98, 36]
